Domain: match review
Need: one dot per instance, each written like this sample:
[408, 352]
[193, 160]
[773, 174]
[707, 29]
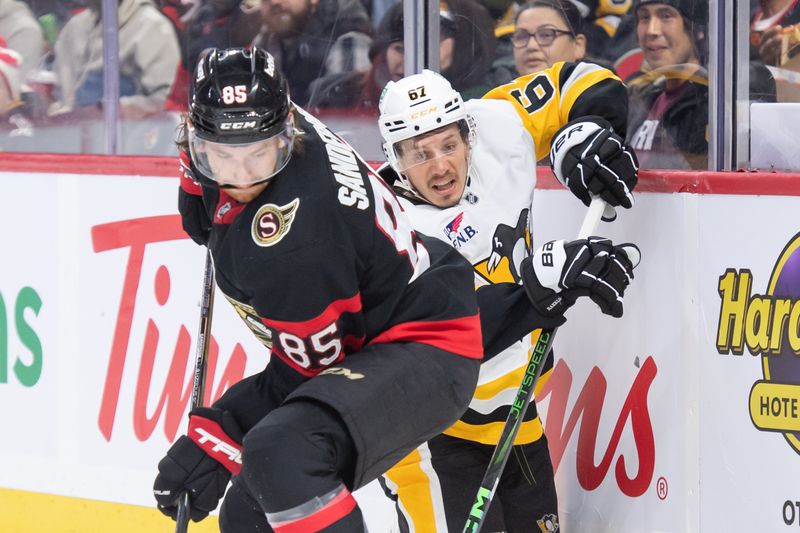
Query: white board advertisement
[664, 420]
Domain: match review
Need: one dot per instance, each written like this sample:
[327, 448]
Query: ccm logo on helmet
[241, 125]
[424, 112]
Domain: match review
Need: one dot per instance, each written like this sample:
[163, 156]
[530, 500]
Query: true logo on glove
[208, 434]
[219, 445]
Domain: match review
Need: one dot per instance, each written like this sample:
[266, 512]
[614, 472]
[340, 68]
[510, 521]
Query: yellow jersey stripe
[418, 492]
[529, 431]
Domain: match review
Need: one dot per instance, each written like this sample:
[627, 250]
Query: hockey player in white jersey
[466, 172]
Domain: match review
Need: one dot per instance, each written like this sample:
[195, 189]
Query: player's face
[663, 37]
[241, 169]
[436, 165]
[537, 55]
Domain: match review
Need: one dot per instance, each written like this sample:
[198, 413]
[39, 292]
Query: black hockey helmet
[695, 11]
[238, 99]
[237, 95]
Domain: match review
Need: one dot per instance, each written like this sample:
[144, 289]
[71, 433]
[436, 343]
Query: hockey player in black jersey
[373, 329]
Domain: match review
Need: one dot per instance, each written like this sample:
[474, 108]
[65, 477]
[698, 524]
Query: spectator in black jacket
[314, 38]
[207, 24]
[466, 52]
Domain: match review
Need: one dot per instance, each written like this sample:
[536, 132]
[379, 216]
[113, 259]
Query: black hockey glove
[194, 217]
[560, 272]
[592, 160]
[200, 463]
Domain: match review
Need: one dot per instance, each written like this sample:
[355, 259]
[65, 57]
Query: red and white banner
[680, 416]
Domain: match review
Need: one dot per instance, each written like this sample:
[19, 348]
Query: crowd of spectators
[338, 54]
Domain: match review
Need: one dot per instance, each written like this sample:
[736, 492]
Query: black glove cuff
[547, 302]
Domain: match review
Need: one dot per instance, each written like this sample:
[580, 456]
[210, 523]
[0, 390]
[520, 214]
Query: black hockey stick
[516, 415]
[199, 382]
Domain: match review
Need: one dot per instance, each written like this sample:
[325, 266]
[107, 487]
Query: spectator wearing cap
[668, 106]
[314, 38]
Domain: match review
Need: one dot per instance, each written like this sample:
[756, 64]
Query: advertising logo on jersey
[272, 222]
[768, 325]
[459, 233]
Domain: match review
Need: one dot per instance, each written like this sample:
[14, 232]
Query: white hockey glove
[560, 272]
[591, 160]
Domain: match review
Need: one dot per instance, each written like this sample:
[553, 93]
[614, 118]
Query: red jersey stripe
[462, 336]
[330, 315]
[339, 507]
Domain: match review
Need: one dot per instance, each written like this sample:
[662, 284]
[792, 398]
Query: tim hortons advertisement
[621, 456]
[677, 417]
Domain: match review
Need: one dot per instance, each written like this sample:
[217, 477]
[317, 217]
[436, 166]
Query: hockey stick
[541, 349]
[199, 382]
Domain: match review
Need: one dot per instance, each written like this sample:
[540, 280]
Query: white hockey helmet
[416, 105]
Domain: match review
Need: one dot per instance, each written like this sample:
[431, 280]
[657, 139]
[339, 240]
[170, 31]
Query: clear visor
[413, 153]
[242, 165]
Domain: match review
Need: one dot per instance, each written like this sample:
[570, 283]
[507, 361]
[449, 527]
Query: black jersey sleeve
[607, 97]
[507, 315]
[549, 99]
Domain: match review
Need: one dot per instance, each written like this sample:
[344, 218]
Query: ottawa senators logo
[272, 222]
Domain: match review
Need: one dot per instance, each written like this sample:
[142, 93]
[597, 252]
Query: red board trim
[661, 181]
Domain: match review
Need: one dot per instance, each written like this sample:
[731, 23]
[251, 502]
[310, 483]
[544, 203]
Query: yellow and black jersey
[594, 9]
[490, 226]
[606, 14]
[549, 99]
